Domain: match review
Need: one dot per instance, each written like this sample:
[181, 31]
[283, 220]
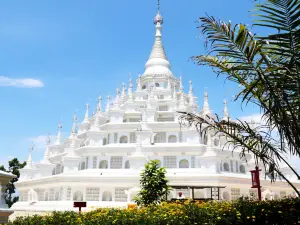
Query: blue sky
[55, 56]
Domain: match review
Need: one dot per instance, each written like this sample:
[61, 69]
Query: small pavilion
[213, 190]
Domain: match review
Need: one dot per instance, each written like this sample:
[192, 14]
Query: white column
[2, 200]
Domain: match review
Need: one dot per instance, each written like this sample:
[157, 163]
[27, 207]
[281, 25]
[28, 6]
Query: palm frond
[247, 138]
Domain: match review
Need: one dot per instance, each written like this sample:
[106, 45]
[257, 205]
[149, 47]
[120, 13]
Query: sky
[55, 56]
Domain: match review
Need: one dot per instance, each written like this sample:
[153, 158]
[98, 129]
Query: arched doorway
[172, 139]
[226, 196]
[184, 163]
[123, 140]
[107, 196]
[78, 196]
[103, 164]
[127, 164]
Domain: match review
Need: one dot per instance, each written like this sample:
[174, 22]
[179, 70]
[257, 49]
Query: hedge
[285, 211]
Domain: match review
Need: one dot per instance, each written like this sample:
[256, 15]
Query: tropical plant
[14, 167]
[154, 184]
[242, 212]
[267, 70]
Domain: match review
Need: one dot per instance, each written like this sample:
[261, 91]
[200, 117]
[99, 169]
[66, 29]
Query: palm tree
[267, 69]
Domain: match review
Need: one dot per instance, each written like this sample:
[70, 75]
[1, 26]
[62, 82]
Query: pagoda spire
[191, 95]
[182, 100]
[86, 116]
[46, 154]
[130, 95]
[191, 88]
[99, 105]
[123, 96]
[74, 132]
[138, 83]
[180, 83]
[206, 109]
[226, 113]
[58, 138]
[118, 98]
[158, 62]
[29, 159]
[108, 103]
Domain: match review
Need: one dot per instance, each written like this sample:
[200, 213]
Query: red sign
[79, 204]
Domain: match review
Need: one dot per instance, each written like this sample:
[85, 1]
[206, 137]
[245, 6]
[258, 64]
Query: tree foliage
[267, 70]
[14, 167]
[154, 184]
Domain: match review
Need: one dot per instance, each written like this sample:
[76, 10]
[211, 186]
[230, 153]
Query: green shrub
[285, 211]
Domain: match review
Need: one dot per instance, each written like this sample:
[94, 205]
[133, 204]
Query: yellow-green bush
[286, 211]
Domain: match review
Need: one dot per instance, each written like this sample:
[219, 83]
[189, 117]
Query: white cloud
[21, 83]
[39, 142]
[257, 118]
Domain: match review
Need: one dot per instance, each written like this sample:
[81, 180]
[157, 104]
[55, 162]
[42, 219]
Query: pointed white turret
[118, 99]
[130, 95]
[180, 83]
[74, 131]
[46, 154]
[182, 100]
[191, 95]
[226, 113]
[206, 109]
[123, 96]
[99, 105]
[138, 83]
[86, 116]
[29, 159]
[58, 138]
[108, 103]
[158, 62]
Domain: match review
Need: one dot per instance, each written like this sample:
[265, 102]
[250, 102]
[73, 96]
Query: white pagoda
[100, 162]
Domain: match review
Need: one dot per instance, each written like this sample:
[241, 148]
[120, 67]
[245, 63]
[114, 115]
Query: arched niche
[46, 196]
[205, 139]
[82, 166]
[123, 139]
[216, 142]
[226, 196]
[56, 196]
[103, 164]
[172, 139]
[226, 167]
[107, 196]
[127, 164]
[78, 196]
[184, 163]
[104, 141]
[242, 169]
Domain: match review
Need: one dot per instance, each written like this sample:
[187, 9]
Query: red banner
[79, 204]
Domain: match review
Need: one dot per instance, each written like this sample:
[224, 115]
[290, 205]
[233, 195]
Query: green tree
[154, 184]
[267, 70]
[14, 167]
